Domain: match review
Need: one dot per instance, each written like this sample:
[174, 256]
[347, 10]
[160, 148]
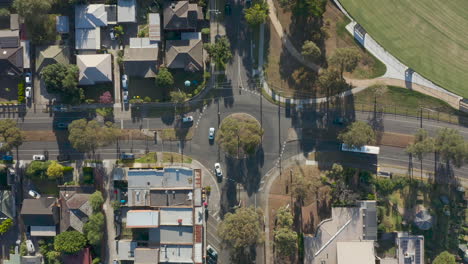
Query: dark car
[62, 125]
[63, 157]
[227, 9]
[340, 121]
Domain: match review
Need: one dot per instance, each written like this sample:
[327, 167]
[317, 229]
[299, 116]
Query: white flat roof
[176, 216]
[126, 11]
[43, 231]
[88, 38]
[357, 252]
[142, 218]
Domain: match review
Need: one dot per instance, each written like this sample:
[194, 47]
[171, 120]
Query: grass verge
[175, 134]
[171, 157]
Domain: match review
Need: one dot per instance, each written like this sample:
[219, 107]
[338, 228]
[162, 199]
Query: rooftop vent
[190, 196]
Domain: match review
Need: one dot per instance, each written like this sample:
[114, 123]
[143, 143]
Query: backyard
[93, 92]
[428, 36]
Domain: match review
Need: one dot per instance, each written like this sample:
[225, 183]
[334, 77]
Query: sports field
[430, 36]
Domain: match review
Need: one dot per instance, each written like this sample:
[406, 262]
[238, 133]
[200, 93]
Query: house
[11, 52]
[46, 55]
[75, 210]
[126, 249]
[94, 68]
[7, 205]
[141, 58]
[347, 224]
[126, 11]
[142, 219]
[185, 54]
[356, 252]
[181, 16]
[62, 24]
[88, 22]
[410, 249]
[154, 23]
[41, 215]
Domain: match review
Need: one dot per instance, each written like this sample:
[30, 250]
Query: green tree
[422, 145]
[94, 228]
[285, 240]
[55, 170]
[97, 200]
[69, 242]
[256, 14]
[444, 258]
[330, 81]
[284, 218]
[311, 51]
[358, 134]
[178, 97]
[96, 261]
[37, 169]
[10, 135]
[164, 78]
[53, 257]
[4, 12]
[31, 8]
[451, 147]
[239, 136]
[316, 8]
[88, 136]
[119, 31]
[5, 226]
[61, 78]
[242, 228]
[336, 172]
[220, 51]
[345, 59]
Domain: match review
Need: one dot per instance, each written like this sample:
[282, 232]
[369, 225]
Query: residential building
[185, 54]
[7, 205]
[46, 55]
[11, 52]
[141, 58]
[410, 249]
[355, 252]
[62, 24]
[347, 224]
[126, 11]
[181, 16]
[154, 23]
[41, 215]
[75, 210]
[88, 22]
[94, 68]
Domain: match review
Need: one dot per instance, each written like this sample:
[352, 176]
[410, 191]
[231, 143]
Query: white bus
[364, 149]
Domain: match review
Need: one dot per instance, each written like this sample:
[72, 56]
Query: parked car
[127, 156]
[187, 119]
[227, 9]
[39, 157]
[125, 82]
[30, 247]
[112, 34]
[211, 133]
[340, 121]
[59, 108]
[7, 157]
[28, 78]
[28, 92]
[63, 157]
[34, 194]
[62, 125]
[384, 174]
[125, 97]
[211, 252]
[218, 171]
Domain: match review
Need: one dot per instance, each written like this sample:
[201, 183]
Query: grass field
[428, 36]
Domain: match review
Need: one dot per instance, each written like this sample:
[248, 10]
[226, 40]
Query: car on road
[112, 34]
[211, 252]
[127, 156]
[125, 82]
[34, 194]
[28, 78]
[218, 170]
[62, 125]
[28, 92]
[125, 97]
[39, 157]
[59, 108]
[30, 247]
[211, 133]
[227, 9]
[340, 121]
[187, 119]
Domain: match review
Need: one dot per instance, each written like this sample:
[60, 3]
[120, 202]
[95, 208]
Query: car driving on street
[218, 170]
[211, 133]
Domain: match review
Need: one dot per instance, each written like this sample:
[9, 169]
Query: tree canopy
[285, 238]
[96, 201]
[316, 8]
[220, 51]
[37, 169]
[10, 135]
[31, 8]
[358, 134]
[106, 98]
[164, 78]
[345, 59]
[88, 136]
[178, 96]
[61, 78]
[94, 228]
[257, 13]
[69, 242]
[239, 135]
[55, 170]
[284, 217]
[444, 258]
[451, 146]
[5, 226]
[310, 50]
[242, 228]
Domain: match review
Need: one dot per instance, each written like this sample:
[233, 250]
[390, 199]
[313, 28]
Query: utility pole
[290, 185]
[420, 117]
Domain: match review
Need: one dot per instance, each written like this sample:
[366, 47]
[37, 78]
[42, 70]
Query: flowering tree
[106, 98]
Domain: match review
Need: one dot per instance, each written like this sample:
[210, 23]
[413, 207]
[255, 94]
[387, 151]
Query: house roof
[176, 216]
[184, 54]
[94, 68]
[11, 61]
[47, 55]
[126, 11]
[126, 249]
[174, 177]
[142, 43]
[9, 38]
[90, 16]
[154, 26]
[146, 255]
[7, 205]
[355, 252]
[170, 197]
[181, 15]
[408, 247]
[140, 60]
[14, 22]
[39, 212]
[43, 230]
[75, 210]
[88, 39]
[176, 253]
[111, 14]
[142, 218]
[176, 234]
[83, 257]
[62, 24]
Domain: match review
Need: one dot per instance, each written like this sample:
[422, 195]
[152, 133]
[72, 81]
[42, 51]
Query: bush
[21, 89]
[70, 183]
[205, 31]
[37, 169]
[96, 261]
[69, 242]
[23, 248]
[21, 99]
[67, 169]
[147, 99]
[88, 175]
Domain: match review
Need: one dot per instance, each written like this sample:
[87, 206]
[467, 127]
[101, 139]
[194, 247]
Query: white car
[187, 119]
[34, 194]
[28, 78]
[125, 82]
[39, 157]
[218, 171]
[211, 133]
[28, 92]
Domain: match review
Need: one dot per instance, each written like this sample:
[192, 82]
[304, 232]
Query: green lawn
[144, 87]
[428, 36]
[148, 158]
[169, 157]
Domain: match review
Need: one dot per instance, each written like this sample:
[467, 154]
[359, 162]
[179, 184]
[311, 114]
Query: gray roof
[142, 218]
[176, 234]
[181, 15]
[62, 24]
[126, 11]
[90, 16]
[111, 11]
[14, 21]
[138, 197]
[370, 219]
[141, 58]
[88, 38]
[75, 210]
[184, 54]
[176, 177]
[170, 198]
[409, 247]
[176, 254]
[143, 43]
[9, 39]
[154, 26]
[39, 212]
[94, 68]
[7, 204]
[47, 55]
[126, 249]
[176, 216]
[146, 255]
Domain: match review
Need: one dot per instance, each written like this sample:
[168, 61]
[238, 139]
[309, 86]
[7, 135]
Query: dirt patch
[396, 140]
[41, 135]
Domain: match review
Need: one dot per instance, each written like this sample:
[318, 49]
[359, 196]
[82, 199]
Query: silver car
[211, 133]
[218, 170]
